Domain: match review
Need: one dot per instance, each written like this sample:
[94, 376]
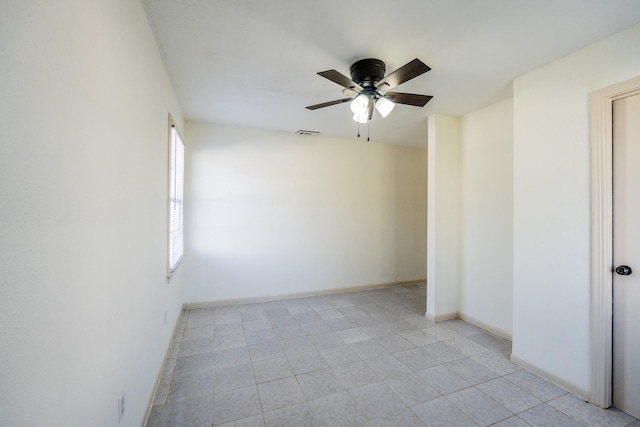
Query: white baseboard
[441, 317]
[469, 319]
[253, 300]
[411, 282]
[159, 376]
[480, 324]
[561, 382]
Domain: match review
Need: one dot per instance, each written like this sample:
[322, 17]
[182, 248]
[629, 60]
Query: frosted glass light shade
[384, 106]
[360, 118]
[360, 104]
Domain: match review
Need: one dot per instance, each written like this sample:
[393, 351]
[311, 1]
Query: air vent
[307, 132]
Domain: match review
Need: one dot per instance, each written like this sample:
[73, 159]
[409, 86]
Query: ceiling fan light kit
[384, 106]
[360, 104]
[360, 118]
[371, 88]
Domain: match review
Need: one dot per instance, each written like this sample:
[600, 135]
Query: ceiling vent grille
[307, 132]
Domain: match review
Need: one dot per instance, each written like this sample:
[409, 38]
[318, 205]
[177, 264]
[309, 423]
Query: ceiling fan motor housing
[367, 72]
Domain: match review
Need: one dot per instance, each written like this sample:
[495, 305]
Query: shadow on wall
[275, 214]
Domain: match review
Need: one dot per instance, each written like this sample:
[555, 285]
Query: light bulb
[384, 106]
[360, 118]
[360, 104]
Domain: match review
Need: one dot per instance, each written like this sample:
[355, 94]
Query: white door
[626, 252]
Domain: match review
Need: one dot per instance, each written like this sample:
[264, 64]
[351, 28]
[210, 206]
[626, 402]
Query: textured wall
[271, 213]
[552, 204]
[83, 172]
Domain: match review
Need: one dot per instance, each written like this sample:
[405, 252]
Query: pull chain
[368, 132]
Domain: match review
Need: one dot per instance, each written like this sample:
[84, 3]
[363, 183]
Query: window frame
[175, 196]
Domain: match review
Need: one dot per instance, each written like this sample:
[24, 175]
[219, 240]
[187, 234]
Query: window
[176, 189]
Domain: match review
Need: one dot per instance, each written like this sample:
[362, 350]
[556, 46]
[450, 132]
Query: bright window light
[176, 189]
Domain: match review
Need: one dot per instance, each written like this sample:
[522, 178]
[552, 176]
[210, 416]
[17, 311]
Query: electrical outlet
[121, 407]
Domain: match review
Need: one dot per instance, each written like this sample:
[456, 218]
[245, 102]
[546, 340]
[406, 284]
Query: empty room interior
[340, 264]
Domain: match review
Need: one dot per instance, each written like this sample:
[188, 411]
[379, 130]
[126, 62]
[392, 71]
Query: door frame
[601, 140]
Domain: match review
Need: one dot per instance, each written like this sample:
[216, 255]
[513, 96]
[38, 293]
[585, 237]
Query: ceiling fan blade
[404, 73]
[349, 92]
[408, 98]
[328, 104]
[341, 79]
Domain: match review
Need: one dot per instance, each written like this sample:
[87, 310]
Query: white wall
[83, 171]
[487, 217]
[444, 216]
[272, 213]
[552, 205]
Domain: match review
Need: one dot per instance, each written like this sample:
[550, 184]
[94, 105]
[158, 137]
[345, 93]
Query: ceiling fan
[369, 87]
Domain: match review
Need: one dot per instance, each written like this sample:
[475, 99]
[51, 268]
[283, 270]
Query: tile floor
[352, 359]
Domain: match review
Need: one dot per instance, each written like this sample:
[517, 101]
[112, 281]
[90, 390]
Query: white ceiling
[253, 63]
